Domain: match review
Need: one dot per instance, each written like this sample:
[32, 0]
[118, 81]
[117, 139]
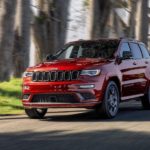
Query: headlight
[27, 74]
[94, 72]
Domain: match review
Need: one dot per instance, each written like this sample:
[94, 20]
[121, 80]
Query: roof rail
[130, 39]
[80, 40]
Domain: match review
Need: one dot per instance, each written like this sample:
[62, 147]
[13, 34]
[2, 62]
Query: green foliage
[10, 97]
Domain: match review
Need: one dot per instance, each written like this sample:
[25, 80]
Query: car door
[146, 60]
[126, 68]
[138, 72]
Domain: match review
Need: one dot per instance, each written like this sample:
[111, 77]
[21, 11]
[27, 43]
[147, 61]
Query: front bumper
[63, 88]
[76, 100]
[58, 105]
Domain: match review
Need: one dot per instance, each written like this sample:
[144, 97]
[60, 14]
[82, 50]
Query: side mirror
[118, 60]
[49, 57]
[126, 55]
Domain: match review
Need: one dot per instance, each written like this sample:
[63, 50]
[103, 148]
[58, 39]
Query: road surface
[78, 129]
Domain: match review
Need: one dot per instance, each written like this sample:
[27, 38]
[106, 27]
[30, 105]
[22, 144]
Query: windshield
[98, 49]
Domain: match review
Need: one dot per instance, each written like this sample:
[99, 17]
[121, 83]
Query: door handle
[146, 62]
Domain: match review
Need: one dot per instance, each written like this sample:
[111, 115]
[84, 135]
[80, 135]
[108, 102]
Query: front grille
[52, 76]
[54, 98]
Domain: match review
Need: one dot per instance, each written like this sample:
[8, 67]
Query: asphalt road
[74, 129]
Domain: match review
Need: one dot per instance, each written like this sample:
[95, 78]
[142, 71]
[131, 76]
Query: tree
[144, 22]
[100, 14]
[22, 38]
[132, 21]
[7, 38]
[49, 27]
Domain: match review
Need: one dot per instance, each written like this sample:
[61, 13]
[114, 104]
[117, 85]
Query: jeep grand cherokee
[97, 74]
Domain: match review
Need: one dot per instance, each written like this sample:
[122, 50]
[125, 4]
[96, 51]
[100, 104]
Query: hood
[69, 64]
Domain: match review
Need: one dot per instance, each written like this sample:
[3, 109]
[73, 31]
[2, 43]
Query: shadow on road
[127, 112]
[115, 139]
[43, 137]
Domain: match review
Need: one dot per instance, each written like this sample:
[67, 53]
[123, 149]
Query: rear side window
[144, 51]
[124, 47]
[136, 52]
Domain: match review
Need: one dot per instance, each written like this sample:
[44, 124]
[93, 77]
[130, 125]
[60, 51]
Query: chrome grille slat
[46, 76]
[60, 75]
[67, 75]
[53, 76]
[74, 75]
[40, 76]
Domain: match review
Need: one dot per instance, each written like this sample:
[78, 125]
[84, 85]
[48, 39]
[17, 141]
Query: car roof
[95, 40]
[107, 39]
[131, 40]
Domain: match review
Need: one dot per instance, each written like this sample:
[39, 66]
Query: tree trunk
[25, 32]
[49, 27]
[7, 38]
[22, 38]
[144, 22]
[132, 19]
[101, 13]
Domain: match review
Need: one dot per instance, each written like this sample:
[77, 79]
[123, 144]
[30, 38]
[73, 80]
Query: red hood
[68, 64]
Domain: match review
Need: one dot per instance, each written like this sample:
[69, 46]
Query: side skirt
[131, 97]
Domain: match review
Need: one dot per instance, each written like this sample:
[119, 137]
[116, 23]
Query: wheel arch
[117, 81]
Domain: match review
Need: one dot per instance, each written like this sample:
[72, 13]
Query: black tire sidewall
[146, 99]
[105, 101]
[35, 114]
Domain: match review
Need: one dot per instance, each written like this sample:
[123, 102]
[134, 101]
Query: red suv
[97, 74]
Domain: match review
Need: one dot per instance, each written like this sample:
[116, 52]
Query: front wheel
[110, 105]
[35, 113]
[146, 100]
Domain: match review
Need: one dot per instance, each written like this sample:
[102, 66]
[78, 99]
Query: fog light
[26, 96]
[26, 87]
[88, 86]
[88, 96]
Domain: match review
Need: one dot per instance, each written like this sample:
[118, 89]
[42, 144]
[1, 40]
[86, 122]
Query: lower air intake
[54, 98]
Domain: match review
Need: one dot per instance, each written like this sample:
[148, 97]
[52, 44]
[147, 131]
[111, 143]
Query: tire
[145, 100]
[36, 113]
[110, 104]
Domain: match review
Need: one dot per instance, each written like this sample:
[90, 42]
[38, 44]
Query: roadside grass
[10, 97]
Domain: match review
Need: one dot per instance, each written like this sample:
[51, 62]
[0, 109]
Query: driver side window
[124, 47]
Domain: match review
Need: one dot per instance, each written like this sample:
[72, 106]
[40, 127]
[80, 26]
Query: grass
[10, 97]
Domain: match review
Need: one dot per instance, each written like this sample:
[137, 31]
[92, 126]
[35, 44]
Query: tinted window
[90, 49]
[124, 47]
[144, 51]
[136, 52]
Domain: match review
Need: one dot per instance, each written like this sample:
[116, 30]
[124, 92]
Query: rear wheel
[110, 105]
[35, 113]
[146, 100]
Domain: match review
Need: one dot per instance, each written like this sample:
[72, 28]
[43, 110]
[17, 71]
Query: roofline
[121, 39]
[130, 40]
[92, 40]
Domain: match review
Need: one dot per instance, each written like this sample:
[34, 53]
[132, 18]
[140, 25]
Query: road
[78, 129]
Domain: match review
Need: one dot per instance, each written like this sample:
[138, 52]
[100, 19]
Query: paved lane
[74, 129]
